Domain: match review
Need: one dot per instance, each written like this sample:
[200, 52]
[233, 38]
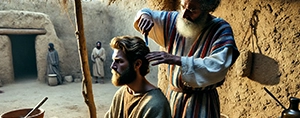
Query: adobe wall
[25, 19]
[270, 30]
[6, 69]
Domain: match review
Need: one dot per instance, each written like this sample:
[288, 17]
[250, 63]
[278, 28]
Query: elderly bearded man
[200, 51]
[137, 98]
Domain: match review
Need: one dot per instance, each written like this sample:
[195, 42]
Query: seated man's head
[129, 62]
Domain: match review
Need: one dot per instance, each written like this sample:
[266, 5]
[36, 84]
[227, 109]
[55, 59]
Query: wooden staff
[87, 90]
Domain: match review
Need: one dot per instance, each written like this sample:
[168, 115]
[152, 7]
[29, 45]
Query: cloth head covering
[51, 46]
[98, 42]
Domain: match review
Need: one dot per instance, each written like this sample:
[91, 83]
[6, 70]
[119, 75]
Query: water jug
[292, 111]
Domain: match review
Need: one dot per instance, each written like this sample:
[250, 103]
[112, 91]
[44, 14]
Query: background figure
[137, 98]
[53, 63]
[98, 57]
[200, 50]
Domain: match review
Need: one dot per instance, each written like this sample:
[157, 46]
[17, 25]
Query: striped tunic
[192, 90]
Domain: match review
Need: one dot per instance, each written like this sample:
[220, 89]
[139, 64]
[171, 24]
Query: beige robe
[98, 57]
[152, 104]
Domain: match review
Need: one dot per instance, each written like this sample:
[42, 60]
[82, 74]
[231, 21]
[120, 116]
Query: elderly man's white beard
[189, 29]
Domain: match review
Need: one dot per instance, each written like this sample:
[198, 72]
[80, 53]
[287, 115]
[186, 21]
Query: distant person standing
[98, 57]
[53, 63]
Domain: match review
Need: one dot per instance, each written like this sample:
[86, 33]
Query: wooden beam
[5, 31]
[87, 89]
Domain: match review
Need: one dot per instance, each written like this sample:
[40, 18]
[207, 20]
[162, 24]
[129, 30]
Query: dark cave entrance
[24, 56]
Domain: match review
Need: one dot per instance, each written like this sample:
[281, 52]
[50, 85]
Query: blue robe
[53, 65]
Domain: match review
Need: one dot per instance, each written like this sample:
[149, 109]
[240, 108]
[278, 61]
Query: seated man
[137, 97]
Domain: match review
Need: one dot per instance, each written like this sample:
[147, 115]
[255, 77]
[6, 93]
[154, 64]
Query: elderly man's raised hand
[145, 24]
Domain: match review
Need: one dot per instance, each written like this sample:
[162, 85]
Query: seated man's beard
[98, 47]
[128, 76]
[190, 29]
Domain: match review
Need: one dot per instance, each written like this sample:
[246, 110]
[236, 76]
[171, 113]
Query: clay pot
[19, 113]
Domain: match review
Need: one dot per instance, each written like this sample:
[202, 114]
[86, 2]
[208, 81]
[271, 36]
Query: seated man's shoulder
[156, 105]
[156, 96]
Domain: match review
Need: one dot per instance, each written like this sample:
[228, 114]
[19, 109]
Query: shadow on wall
[265, 70]
[258, 67]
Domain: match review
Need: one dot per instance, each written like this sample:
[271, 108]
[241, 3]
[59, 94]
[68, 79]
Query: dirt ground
[64, 101]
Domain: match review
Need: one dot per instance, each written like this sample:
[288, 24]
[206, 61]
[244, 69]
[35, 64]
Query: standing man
[137, 98]
[98, 57]
[200, 51]
[53, 63]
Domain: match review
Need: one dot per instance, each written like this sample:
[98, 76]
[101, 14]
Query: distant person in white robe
[98, 57]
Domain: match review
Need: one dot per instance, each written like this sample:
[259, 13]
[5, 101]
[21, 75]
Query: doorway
[24, 56]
